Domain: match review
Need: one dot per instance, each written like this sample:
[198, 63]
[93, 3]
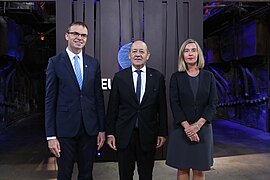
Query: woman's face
[191, 54]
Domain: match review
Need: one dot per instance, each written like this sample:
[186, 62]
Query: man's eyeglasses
[76, 34]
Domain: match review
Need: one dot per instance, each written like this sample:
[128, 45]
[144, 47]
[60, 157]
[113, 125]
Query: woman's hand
[192, 130]
[195, 138]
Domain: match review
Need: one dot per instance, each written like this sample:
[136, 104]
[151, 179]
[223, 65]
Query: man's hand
[160, 141]
[100, 140]
[111, 142]
[54, 147]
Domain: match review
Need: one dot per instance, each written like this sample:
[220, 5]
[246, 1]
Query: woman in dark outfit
[193, 99]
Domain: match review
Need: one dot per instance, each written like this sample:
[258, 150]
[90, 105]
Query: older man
[136, 122]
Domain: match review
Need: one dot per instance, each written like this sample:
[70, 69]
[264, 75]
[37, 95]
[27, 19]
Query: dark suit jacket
[183, 104]
[124, 109]
[66, 105]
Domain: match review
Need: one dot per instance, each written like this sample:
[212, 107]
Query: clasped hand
[191, 132]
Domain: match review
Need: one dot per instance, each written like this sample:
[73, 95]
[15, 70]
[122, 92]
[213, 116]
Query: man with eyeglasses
[74, 106]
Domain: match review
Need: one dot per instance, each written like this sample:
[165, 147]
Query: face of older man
[138, 54]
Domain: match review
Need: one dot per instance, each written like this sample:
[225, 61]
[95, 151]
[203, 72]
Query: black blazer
[66, 105]
[183, 104]
[124, 109]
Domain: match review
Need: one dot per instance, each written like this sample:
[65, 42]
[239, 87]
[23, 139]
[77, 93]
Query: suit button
[81, 95]
[138, 111]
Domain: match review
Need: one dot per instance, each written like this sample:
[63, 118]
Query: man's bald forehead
[139, 42]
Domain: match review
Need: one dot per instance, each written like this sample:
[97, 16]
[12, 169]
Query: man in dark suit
[74, 106]
[136, 122]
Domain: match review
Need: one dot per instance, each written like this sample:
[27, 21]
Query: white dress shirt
[143, 78]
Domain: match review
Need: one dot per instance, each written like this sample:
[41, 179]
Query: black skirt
[184, 154]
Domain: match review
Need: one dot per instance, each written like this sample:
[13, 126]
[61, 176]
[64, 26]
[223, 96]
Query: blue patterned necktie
[77, 70]
[138, 93]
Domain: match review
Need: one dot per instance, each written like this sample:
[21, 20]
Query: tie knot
[138, 71]
[76, 57]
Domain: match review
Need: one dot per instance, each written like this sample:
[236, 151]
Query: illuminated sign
[106, 84]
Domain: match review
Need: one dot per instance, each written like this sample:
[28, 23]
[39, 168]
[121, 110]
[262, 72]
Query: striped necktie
[77, 70]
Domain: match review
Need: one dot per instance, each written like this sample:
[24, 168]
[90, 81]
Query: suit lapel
[86, 70]
[69, 67]
[129, 80]
[188, 86]
[200, 85]
[148, 84]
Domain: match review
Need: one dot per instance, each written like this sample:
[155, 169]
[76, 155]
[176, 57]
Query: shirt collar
[143, 69]
[71, 54]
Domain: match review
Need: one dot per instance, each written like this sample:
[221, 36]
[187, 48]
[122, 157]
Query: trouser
[133, 152]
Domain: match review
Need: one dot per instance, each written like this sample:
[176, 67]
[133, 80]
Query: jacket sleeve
[175, 102]
[99, 100]
[163, 120]
[210, 109]
[113, 105]
[50, 100]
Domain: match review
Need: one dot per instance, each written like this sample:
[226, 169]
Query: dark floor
[241, 153]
